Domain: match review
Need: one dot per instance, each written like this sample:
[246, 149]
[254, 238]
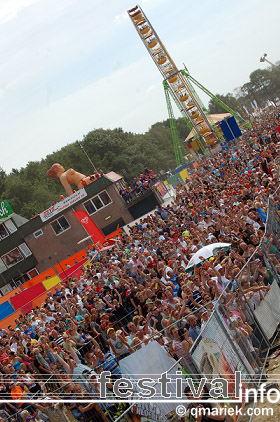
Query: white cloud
[10, 8]
[118, 19]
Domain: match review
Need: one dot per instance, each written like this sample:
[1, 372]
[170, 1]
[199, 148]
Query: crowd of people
[139, 291]
[138, 186]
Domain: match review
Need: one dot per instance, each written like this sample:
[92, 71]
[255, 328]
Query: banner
[219, 355]
[74, 271]
[90, 226]
[5, 209]
[62, 205]
[24, 299]
[5, 310]
[268, 311]
[51, 282]
[160, 188]
[153, 360]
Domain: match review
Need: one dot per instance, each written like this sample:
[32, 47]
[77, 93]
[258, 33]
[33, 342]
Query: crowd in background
[139, 291]
[138, 186]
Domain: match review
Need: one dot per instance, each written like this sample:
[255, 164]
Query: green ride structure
[178, 85]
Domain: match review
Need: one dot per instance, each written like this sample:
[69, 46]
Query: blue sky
[70, 66]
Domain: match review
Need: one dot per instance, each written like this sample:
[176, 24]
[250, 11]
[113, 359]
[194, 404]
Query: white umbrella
[206, 252]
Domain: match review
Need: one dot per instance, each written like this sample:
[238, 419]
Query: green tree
[261, 86]
[229, 100]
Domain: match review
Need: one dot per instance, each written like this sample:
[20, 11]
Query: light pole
[264, 59]
[82, 148]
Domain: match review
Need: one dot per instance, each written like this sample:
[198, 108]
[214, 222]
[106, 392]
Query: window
[25, 250]
[10, 226]
[2, 266]
[105, 198]
[20, 279]
[89, 207]
[60, 225]
[38, 233]
[32, 273]
[13, 257]
[3, 231]
[97, 202]
[7, 228]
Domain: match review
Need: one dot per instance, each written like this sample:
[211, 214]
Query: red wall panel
[23, 298]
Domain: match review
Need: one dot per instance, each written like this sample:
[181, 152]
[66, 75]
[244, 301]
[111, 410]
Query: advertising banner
[5, 209]
[62, 205]
[90, 226]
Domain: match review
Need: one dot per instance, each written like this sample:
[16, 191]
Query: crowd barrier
[221, 347]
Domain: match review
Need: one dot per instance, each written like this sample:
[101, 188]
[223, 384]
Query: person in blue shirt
[194, 330]
[30, 333]
[164, 215]
[262, 214]
[109, 362]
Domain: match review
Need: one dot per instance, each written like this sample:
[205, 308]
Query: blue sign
[224, 146]
[230, 128]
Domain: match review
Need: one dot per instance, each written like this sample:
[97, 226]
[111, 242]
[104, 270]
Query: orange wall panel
[9, 295]
[70, 261]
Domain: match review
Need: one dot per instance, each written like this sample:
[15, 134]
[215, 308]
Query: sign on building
[62, 205]
[5, 209]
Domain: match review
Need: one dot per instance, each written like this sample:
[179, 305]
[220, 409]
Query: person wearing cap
[118, 344]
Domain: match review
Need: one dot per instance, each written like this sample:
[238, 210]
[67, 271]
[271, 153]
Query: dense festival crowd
[140, 292]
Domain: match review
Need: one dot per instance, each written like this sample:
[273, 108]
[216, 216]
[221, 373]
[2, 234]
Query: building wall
[51, 248]
[115, 211]
[8, 244]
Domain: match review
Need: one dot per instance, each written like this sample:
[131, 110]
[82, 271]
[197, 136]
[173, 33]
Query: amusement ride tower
[177, 84]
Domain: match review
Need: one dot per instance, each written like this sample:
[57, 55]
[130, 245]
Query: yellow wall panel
[51, 282]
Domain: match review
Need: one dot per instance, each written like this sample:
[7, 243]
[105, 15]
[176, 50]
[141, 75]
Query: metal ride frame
[177, 84]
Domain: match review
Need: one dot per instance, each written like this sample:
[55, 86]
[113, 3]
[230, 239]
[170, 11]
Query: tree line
[263, 88]
[29, 190]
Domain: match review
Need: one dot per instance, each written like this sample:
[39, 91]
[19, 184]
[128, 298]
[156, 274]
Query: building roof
[214, 117]
[113, 176]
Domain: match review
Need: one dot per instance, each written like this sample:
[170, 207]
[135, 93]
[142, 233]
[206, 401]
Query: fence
[223, 346]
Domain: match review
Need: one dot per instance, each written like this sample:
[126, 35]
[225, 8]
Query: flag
[90, 226]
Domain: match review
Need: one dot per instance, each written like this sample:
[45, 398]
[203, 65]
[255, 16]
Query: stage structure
[177, 84]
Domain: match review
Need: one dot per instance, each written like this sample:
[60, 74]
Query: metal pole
[81, 146]
[263, 59]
